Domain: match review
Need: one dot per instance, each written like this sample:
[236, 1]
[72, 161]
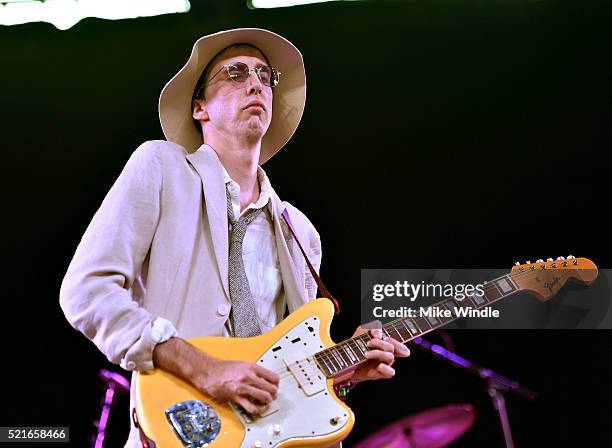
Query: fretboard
[347, 354]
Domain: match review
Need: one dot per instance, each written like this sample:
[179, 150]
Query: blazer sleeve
[97, 293]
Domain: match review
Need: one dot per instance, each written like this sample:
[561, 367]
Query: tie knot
[239, 225]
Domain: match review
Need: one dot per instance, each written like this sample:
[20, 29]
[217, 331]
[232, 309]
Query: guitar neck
[351, 352]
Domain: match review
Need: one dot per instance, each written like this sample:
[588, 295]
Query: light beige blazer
[158, 247]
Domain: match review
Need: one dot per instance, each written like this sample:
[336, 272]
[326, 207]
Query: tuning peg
[549, 259]
[560, 258]
[570, 257]
[528, 262]
[517, 264]
[539, 260]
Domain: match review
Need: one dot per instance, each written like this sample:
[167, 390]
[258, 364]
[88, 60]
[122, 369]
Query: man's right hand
[244, 383]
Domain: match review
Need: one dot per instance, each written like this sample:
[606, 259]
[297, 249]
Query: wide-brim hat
[175, 108]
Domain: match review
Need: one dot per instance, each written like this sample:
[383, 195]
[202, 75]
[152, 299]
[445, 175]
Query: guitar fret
[421, 324]
[354, 358]
[492, 295]
[512, 282]
[411, 325]
[468, 302]
[392, 327]
[505, 285]
[403, 332]
[451, 305]
[337, 358]
[332, 360]
[444, 306]
[406, 329]
[321, 356]
[432, 321]
[444, 319]
[344, 355]
[361, 346]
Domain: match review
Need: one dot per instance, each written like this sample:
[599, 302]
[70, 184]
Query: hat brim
[175, 109]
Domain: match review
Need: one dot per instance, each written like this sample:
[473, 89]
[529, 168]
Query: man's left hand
[381, 355]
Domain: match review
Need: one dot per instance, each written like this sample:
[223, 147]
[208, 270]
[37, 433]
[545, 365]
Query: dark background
[437, 134]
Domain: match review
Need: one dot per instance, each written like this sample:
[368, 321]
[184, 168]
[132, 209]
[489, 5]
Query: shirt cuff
[140, 356]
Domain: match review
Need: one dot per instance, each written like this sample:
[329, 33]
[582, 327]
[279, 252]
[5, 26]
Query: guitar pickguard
[305, 407]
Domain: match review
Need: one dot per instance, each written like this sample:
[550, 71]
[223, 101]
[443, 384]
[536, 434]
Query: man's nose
[254, 84]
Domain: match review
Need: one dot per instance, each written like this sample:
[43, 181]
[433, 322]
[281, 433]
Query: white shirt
[260, 260]
[259, 254]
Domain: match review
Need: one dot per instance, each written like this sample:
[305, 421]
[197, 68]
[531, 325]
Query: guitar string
[328, 357]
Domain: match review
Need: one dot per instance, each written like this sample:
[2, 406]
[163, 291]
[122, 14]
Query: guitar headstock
[544, 279]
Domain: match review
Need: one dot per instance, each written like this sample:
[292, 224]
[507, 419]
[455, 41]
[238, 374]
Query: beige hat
[175, 112]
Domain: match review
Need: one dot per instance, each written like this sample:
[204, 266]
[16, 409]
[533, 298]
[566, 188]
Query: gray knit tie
[244, 320]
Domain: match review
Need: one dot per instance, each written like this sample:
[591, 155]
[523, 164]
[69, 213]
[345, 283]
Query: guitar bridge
[195, 423]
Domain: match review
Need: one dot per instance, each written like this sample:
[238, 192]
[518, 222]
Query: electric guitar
[173, 414]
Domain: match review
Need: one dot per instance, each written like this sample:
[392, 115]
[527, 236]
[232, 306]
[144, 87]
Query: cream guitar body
[306, 413]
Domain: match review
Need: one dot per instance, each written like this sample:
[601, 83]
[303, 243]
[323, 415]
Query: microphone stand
[497, 385]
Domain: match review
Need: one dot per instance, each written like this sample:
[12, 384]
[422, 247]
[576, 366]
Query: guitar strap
[322, 289]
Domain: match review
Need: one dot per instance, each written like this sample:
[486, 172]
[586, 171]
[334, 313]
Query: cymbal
[433, 428]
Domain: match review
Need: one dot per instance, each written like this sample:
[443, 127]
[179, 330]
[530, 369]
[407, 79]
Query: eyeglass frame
[257, 70]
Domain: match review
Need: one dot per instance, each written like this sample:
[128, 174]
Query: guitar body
[306, 413]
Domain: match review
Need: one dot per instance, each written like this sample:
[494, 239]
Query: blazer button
[223, 310]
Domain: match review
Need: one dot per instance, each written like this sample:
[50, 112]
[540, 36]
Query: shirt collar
[265, 189]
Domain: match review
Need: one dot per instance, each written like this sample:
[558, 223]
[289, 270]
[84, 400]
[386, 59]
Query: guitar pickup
[305, 372]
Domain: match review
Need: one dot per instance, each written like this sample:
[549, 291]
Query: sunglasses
[240, 72]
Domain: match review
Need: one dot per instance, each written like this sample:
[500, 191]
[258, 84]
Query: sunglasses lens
[238, 71]
[265, 74]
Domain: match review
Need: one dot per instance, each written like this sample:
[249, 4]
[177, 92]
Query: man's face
[236, 109]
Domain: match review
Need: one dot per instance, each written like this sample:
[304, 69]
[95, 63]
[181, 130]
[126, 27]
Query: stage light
[255, 4]
[66, 13]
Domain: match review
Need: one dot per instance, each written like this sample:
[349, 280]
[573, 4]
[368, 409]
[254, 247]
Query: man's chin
[256, 130]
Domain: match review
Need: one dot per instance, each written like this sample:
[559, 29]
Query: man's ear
[200, 112]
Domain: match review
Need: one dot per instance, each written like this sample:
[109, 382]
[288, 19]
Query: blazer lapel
[290, 258]
[207, 164]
